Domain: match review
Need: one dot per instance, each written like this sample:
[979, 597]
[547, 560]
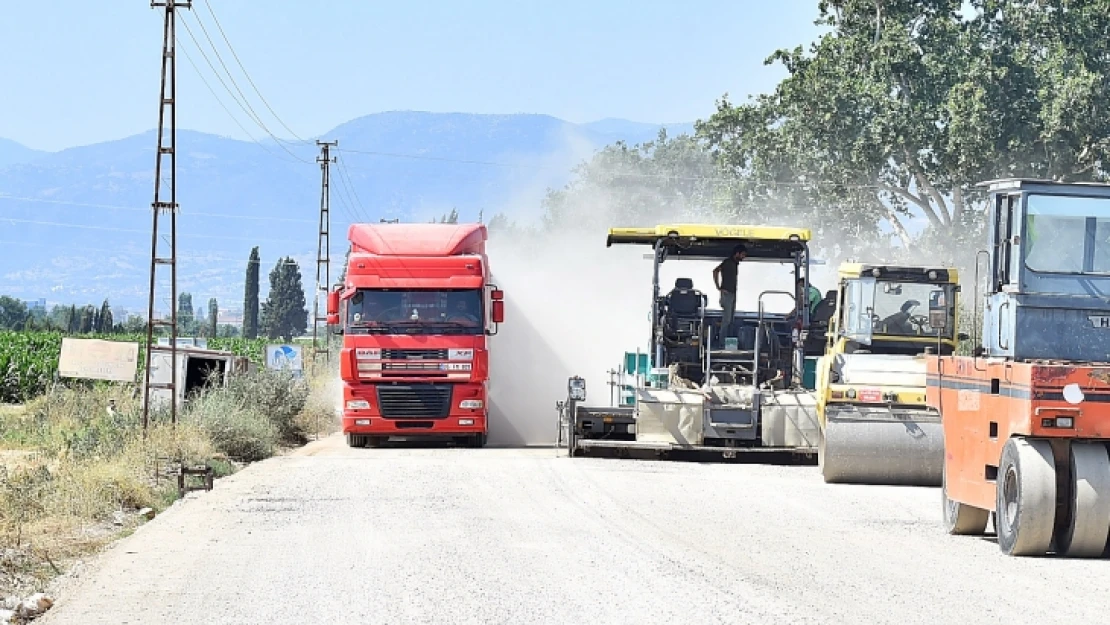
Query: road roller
[1026, 417]
[875, 426]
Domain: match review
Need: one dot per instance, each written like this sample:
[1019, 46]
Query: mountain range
[77, 223]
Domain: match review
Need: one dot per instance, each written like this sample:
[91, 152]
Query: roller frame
[886, 446]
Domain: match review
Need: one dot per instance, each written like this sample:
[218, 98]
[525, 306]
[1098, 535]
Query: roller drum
[884, 446]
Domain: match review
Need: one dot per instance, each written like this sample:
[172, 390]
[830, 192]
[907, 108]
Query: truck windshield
[1065, 234]
[423, 311]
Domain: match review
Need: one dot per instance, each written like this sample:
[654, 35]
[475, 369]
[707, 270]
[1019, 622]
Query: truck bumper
[452, 425]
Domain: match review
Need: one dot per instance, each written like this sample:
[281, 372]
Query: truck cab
[416, 308]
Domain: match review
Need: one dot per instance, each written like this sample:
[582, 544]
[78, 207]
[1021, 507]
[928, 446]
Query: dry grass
[75, 467]
[321, 412]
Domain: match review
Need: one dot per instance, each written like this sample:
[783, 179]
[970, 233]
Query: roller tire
[1085, 535]
[961, 519]
[1025, 500]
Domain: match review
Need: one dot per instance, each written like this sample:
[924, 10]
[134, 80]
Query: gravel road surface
[338, 535]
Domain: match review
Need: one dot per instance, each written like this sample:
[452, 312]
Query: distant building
[230, 317]
[36, 304]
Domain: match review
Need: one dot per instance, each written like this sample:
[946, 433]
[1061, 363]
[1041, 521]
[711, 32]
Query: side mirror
[963, 336]
[333, 306]
[497, 312]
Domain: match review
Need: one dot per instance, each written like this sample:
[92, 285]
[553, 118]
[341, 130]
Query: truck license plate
[456, 366]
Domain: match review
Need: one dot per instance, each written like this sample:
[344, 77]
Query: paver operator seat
[683, 309]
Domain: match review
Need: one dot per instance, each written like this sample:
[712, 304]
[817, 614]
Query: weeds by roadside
[75, 467]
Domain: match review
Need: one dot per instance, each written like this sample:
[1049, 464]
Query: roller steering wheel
[920, 321]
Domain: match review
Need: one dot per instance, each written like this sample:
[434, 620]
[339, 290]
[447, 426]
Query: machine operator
[812, 297]
[724, 277]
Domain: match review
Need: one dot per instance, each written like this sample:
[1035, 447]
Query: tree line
[880, 132]
[283, 314]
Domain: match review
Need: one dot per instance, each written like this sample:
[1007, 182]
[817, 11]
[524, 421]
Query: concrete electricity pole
[161, 209]
[321, 345]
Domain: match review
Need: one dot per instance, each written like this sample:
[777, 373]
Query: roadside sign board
[96, 359]
[289, 357]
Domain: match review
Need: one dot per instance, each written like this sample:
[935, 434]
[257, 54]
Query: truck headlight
[470, 404]
[362, 421]
[358, 404]
[466, 421]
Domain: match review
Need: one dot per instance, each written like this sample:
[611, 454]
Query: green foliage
[27, 364]
[213, 317]
[186, 317]
[104, 324]
[255, 413]
[13, 313]
[448, 218]
[236, 428]
[284, 314]
[250, 296]
[668, 179]
[902, 107]
[29, 360]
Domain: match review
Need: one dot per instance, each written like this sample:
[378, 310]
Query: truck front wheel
[478, 441]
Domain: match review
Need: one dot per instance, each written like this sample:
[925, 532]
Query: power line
[552, 168]
[136, 208]
[345, 174]
[189, 58]
[245, 73]
[220, 59]
[347, 185]
[243, 105]
[59, 224]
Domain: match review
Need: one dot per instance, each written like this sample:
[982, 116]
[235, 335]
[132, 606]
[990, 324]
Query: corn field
[29, 360]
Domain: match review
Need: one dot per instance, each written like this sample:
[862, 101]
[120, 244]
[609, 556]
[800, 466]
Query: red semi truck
[415, 310]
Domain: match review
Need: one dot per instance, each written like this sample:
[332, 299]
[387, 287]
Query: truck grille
[414, 354]
[414, 401]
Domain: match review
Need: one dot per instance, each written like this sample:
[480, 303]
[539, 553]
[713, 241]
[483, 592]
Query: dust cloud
[573, 307]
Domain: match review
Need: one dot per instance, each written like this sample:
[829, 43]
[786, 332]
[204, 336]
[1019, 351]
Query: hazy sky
[77, 72]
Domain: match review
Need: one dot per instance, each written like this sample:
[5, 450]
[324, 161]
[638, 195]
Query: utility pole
[321, 345]
[162, 208]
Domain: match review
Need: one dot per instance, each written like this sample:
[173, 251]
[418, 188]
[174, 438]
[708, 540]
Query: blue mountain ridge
[76, 223]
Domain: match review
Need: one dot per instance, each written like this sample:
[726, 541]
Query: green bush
[236, 428]
[276, 395]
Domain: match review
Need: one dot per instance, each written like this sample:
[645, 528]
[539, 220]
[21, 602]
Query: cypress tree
[213, 314]
[250, 296]
[284, 313]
